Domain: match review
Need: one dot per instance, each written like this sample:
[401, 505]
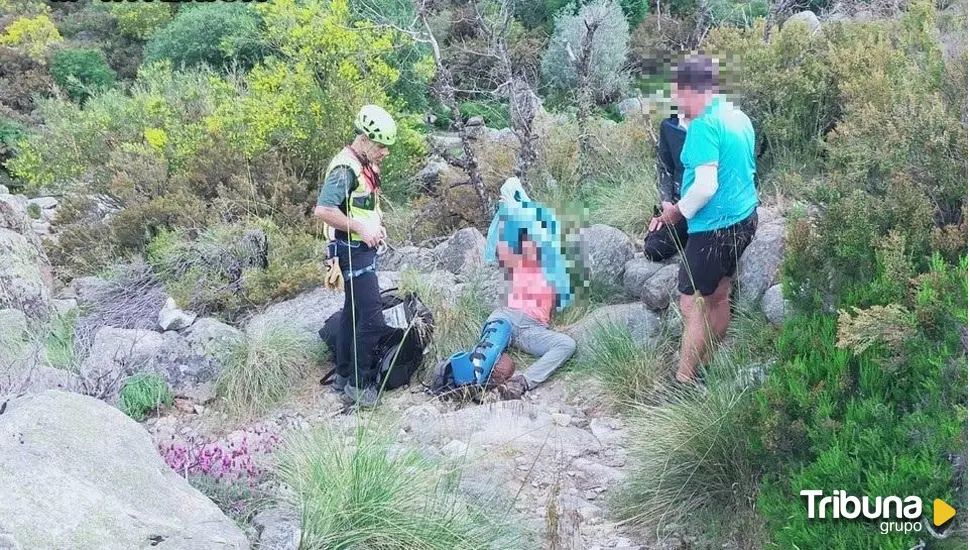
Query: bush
[142, 394]
[22, 80]
[608, 54]
[59, 342]
[832, 419]
[140, 22]
[232, 472]
[32, 35]
[786, 87]
[214, 34]
[366, 493]
[229, 269]
[260, 370]
[80, 71]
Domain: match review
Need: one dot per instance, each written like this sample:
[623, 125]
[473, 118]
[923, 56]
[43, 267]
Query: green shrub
[80, 71]
[140, 22]
[832, 419]
[142, 394]
[214, 34]
[261, 369]
[495, 113]
[366, 493]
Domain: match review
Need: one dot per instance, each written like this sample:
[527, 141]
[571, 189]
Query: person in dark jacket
[663, 241]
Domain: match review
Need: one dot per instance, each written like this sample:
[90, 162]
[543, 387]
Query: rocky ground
[552, 457]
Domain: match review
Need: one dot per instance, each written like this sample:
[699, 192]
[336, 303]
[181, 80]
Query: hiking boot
[339, 383]
[366, 397]
[514, 388]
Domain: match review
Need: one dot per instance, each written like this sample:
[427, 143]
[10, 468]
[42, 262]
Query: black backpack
[401, 351]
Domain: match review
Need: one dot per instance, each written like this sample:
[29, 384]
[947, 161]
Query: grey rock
[303, 315]
[173, 318]
[117, 353]
[13, 322]
[88, 290]
[661, 289]
[447, 142]
[79, 474]
[636, 273]
[774, 305]
[278, 529]
[4, 190]
[41, 378]
[504, 137]
[759, 265]
[463, 253]
[605, 251]
[408, 257]
[13, 213]
[431, 173]
[64, 306]
[807, 19]
[44, 203]
[455, 449]
[25, 278]
[643, 324]
[632, 106]
[476, 120]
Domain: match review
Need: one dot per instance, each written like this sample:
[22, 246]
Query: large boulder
[807, 19]
[636, 273]
[605, 251]
[211, 337]
[25, 277]
[463, 253]
[760, 263]
[77, 473]
[661, 289]
[408, 257]
[13, 213]
[117, 353]
[643, 324]
[303, 315]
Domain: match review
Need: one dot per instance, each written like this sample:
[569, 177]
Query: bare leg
[720, 308]
[694, 342]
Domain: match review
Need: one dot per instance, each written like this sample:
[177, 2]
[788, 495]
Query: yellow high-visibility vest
[362, 202]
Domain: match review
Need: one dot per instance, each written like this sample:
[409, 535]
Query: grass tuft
[695, 467]
[142, 394]
[362, 492]
[260, 369]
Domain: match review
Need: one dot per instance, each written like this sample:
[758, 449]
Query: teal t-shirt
[721, 134]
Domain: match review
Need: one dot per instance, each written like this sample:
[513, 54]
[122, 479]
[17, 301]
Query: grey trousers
[537, 339]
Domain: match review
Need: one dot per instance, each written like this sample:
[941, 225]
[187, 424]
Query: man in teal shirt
[719, 201]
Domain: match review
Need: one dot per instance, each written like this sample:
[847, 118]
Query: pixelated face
[688, 101]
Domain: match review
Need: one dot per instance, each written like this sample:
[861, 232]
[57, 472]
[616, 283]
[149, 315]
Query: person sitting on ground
[664, 241]
[531, 301]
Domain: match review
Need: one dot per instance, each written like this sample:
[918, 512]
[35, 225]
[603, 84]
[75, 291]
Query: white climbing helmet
[377, 124]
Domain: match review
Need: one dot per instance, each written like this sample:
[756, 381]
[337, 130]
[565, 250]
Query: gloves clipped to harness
[334, 278]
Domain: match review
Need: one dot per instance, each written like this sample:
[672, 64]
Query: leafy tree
[610, 46]
[33, 35]
[80, 70]
[215, 34]
[139, 20]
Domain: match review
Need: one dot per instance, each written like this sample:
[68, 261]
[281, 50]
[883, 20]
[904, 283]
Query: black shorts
[712, 255]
